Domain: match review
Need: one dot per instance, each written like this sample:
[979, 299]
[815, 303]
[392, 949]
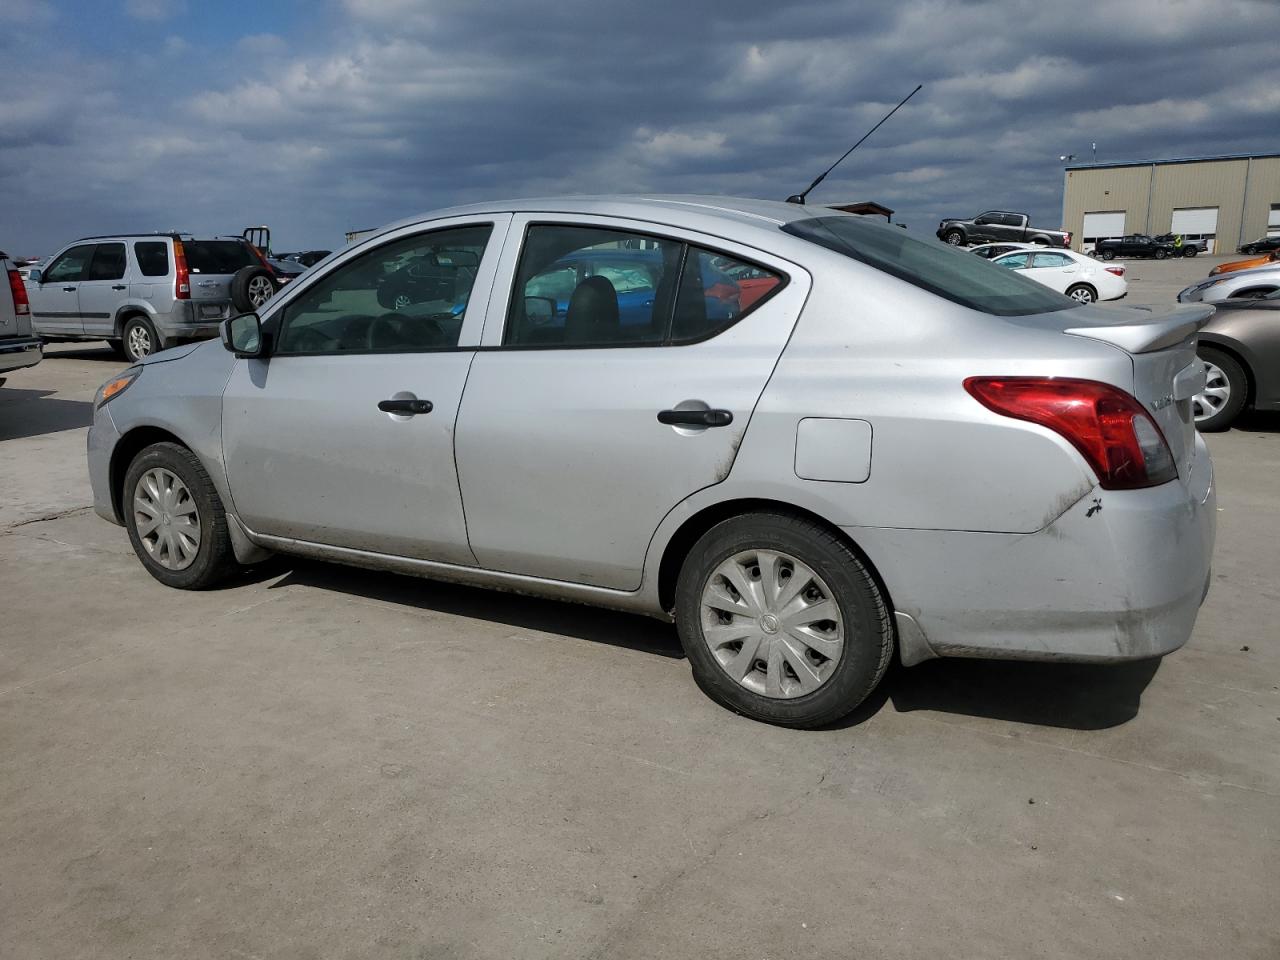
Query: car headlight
[116, 386]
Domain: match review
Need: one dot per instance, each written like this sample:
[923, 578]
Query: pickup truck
[1134, 245]
[18, 347]
[999, 225]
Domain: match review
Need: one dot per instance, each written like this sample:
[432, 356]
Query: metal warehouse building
[1225, 201]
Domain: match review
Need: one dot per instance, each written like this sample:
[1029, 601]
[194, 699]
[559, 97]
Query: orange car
[1262, 261]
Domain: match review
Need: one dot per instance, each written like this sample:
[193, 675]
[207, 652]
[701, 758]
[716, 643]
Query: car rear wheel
[1225, 391]
[1082, 293]
[139, 338]
[175, 518]
[953, 237]
[1108, 254]
[781, 620]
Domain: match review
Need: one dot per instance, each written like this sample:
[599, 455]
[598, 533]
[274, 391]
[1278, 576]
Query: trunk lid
[1161, 342]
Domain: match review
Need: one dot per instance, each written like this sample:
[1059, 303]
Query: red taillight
[1112, 431]
[21, 305]
[181, 275]
[1118, 271]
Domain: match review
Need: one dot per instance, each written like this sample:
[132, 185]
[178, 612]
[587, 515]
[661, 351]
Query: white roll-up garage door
[1100, 226]
[1197, 223]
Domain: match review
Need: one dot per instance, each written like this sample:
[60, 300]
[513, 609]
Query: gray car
[144, 293]
[18, 347]
[1241, 351]
[813, 441]
[1236, 285]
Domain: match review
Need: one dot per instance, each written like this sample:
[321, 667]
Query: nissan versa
[885, 447]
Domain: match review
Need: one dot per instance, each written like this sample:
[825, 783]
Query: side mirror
[35, 276]
[242, 335]
[539, 310]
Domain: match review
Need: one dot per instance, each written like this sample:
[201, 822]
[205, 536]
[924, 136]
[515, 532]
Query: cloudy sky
[316, 116]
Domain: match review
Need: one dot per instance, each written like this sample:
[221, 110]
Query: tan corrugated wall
[1210, 183]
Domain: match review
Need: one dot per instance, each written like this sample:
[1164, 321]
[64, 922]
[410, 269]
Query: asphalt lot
[322, 762]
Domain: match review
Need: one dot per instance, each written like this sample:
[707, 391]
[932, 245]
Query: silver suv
[145, 292]
[18, 348]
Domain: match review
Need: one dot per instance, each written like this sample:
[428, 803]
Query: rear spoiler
[1167, 327]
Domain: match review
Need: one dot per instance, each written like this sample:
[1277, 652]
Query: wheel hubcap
[259, 291]
[402, 301]
[139, 341]
[1216, 393]
[772, 624]
[166, 519]
[1083, 296]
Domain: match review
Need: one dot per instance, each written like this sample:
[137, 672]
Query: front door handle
[409, 407]
[696, 418]
[118, 286]
[69, 289]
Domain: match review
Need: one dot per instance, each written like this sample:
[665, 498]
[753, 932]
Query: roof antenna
[799, 197]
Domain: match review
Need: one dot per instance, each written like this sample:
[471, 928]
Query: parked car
[308, 258]
[19, 348]
[998, 225]
[1133, 245]
[1240, 285]
[1241, 350]
[1261, 245]
[1249, 264]
[1187, 248]
[285, 271]
[989, 251]
[144, 292]
[712, 467]
[1081, 278]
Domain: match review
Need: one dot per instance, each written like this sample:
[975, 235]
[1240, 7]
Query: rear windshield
[218, 256]
[954, 275]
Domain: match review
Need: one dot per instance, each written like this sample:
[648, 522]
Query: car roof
[733, 217]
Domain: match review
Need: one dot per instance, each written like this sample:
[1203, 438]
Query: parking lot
[323, 762]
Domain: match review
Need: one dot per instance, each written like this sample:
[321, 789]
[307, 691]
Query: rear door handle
[69, 289]
[118, 286]
[696, 418]
[409, 407]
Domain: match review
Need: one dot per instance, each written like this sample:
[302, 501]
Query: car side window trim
[687, 247]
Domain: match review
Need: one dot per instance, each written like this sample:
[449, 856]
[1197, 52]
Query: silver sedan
[813, 441]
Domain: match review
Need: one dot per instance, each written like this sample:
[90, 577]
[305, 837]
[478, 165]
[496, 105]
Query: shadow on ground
[30, 413]
[1075, 696]
[1258, 421]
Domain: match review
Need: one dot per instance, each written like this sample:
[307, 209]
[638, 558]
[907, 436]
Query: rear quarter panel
[1254, 336]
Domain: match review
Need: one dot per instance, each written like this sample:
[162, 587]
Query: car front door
[55, 300]
[102, 290]
[578, 434]
[344, 435]
[984, 228]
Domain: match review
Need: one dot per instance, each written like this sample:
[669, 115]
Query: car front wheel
[953, 238]
[782, 621]
[175, 518]
[1108, 254]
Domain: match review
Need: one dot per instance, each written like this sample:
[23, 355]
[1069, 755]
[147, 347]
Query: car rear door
[577, 435]
[1054, 270]
[344, 436]
[55, 300]
[103, 289]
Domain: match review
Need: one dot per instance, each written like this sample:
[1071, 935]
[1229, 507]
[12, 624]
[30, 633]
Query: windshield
[954, 275]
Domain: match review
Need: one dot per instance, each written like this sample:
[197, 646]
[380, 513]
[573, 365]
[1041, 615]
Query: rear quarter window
[952, 274]
[153, 258]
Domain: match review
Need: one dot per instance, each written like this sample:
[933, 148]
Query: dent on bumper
[103, 437]
[1119, 576]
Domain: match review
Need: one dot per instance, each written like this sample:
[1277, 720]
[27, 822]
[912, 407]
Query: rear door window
[152, 257]
[218, 256]
[72, 266]
[1051, 260]
[107, 263]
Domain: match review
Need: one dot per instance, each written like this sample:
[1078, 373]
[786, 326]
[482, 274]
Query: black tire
[214, 560]
[868, 633]
[247, 287]
[1082, 293]
[1237, 380]
[1248, 251]
[954, 238]
[1161, 253]
[1108, 254]
[1190, 251]
[139, 338]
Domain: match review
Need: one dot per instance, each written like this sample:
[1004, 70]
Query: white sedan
[1079, 277]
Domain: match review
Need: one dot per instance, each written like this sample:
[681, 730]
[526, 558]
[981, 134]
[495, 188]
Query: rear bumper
[1119, 576]
[20, 352]
[193, 319]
